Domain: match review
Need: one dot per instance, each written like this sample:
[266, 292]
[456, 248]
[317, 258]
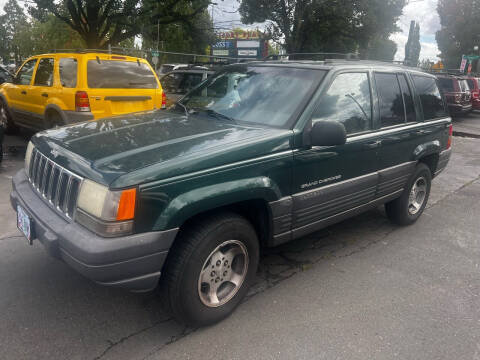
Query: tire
[6, 120]
[205, 248]
[408, 208]
[53, 119]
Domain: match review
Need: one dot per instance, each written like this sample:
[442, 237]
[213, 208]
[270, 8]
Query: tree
[413, 47]
[103, 23]
[14, 32]
[460, 30]
[325, 25]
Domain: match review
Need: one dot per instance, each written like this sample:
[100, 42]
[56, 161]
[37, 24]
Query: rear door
[398, 120]
[118, 86]
[334, 180]
[43, 88]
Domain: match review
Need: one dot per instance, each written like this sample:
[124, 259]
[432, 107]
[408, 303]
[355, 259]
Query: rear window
[113, 74]
[432, 102]
[181, 83]
[446, 84]
[68, 72]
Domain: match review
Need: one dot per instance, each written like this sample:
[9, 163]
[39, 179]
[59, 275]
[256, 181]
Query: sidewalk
[467, 125]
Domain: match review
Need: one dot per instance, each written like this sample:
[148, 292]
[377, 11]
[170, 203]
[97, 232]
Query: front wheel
[409, 207]
[210, 268]
[6, 120]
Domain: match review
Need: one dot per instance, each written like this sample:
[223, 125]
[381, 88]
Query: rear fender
[426, 149]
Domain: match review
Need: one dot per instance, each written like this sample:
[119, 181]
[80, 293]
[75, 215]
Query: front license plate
[24, 224]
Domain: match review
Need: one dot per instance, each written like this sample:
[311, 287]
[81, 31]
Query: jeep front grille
[54, 183]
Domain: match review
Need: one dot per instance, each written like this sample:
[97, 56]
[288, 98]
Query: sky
[226, 16]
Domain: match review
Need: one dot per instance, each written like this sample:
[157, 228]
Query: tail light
[475, 94]
[164, 100]
[450, 134]
[81, 101]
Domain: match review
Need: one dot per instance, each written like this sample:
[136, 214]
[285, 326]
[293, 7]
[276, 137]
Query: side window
[44, 74]
[24, 75]
[189, 82]
[432, 102]
[390, 99]
[407, 98]
[68, 72]
[348, 100]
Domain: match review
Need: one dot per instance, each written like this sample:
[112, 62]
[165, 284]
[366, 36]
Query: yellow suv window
[114, 74]
[68, 72]
[44, 74]
[24, 75]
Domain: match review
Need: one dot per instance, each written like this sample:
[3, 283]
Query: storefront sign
[252, 53]
[220, 52]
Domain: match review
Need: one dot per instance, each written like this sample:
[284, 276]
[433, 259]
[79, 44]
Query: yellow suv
[56, 89]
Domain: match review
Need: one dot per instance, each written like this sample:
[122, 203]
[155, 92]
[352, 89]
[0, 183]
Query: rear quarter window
[114, 74]
[432, 101]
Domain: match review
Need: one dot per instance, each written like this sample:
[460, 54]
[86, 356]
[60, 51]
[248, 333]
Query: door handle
[373, 144]
[45, 95]
[24, 92]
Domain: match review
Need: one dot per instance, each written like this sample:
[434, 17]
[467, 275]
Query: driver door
[331, 181]
[21, 96]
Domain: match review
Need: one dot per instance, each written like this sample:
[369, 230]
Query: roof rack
[311, 56]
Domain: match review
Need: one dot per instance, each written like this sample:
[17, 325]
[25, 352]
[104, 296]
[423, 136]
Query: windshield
[255, 94]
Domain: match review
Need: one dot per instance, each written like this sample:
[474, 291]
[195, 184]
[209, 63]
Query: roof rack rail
[304, 56]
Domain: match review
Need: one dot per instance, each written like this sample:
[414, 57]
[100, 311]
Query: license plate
[24, 224]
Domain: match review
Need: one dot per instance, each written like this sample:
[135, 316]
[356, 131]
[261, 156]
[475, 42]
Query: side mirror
[328, 133]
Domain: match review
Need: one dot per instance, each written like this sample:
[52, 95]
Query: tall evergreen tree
[413, 46]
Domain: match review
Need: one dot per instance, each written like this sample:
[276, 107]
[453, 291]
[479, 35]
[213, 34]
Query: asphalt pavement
[362, 289]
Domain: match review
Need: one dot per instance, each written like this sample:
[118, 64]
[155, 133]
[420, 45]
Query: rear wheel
[53, 119]
[210, 269]
[409, 207]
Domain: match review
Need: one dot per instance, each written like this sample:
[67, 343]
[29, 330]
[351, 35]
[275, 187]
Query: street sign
[155, 53]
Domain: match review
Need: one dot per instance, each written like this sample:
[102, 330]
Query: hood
[107, 149]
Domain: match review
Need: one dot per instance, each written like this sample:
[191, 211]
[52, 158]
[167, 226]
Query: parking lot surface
[362, 289]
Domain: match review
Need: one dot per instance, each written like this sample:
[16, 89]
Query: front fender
[425, 149]
[202, 199]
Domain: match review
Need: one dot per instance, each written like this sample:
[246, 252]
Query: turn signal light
[126, 205]
[81, 101]
[450, 135]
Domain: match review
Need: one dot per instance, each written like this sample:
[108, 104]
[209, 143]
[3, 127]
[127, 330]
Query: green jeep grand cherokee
[258, 155]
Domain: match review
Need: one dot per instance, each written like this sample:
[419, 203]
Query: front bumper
[131, 262]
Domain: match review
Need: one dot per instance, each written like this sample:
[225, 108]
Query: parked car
[259, 154]
[177, 83]
[166, 68]
[5, 75]
[3, 125]
[474, 85]
[57, 89]
[457, 94]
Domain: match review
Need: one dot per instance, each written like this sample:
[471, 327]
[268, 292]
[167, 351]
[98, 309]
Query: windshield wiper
[216, 114]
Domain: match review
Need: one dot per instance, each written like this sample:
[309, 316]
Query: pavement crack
[112, 344]
[11, 237]
[186, 331]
